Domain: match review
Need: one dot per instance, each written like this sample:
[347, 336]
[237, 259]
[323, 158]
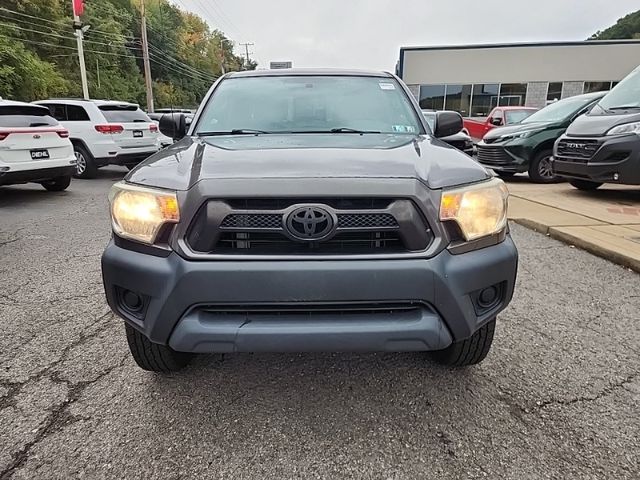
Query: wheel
[85, 166]
[57, 184]
[470, 351]
[584, 184]
[505, 174]
[153, 356]
[540, 170]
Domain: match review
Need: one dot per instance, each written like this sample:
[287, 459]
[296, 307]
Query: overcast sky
[369, 33]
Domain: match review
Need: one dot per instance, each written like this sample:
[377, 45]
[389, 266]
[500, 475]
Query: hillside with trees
[38, 53]
[627, 27]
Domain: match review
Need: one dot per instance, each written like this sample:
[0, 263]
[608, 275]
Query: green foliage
[627, 27]
[38, 56]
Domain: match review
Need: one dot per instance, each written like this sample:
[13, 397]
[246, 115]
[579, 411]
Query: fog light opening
[132, 301]
[488, 297]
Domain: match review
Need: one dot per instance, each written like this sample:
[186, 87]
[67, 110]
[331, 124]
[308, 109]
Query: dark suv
[308, 211]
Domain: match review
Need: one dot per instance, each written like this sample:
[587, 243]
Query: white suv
[105, 132]
[34, 147]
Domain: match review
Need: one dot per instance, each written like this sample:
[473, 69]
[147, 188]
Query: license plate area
[40, 154]
[137, 134]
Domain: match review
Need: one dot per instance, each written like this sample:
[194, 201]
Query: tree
[627, 27]
[38, 55]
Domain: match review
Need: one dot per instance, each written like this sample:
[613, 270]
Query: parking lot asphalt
[558, 396]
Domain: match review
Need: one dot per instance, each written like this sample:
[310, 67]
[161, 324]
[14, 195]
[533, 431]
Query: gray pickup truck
[308, 210]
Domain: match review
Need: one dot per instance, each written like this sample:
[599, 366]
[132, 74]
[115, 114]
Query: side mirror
[173, 125]
[496, 121]
[447, 123]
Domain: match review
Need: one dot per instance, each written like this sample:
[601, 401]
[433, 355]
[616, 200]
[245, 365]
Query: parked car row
[588, 139]
[50, 141]
[527, 146]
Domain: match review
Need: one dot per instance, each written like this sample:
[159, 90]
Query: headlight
[138, 213]
[626, 128]
[513, 136]
[479, 209]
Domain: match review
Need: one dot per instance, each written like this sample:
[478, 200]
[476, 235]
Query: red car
[499, 117]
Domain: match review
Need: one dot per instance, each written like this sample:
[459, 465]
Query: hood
[595, 124]
[517, 128]
[194, 159]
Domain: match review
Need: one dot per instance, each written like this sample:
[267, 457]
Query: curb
[607, 254]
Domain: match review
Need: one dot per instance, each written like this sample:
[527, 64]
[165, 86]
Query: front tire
[540, 170]
[154, 357]
[470, 351]
[57, 184]
[85, 166]
[584, 184]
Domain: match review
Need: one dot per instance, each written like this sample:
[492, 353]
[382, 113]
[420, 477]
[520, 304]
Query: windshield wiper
[351, 130]
[624, 107]
[235, 131]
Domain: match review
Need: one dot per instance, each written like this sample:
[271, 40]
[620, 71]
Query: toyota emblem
[36, 136]
[310, 223]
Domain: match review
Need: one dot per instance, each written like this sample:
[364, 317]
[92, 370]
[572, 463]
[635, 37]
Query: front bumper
[125, 158]
[616, 160]
[503, 157]
[309, 305]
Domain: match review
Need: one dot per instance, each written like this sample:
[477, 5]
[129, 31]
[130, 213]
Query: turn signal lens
[479, 210]
[138, 213]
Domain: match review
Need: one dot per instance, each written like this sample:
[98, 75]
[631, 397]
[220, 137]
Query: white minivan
[34, 147]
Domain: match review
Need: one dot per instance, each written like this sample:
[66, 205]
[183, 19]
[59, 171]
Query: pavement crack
[608, 390]
[58, 418]
[65, 352]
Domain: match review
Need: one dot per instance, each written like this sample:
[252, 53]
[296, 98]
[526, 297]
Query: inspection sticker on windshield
[387, 86]
[403, 128]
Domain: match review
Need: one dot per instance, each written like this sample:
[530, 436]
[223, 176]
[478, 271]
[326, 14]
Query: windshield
[309, 104]
[559, 111]
[516, 116]
[625, 94]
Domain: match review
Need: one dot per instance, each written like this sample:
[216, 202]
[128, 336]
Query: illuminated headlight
[479, 210]
[626, 128]
[138, 213]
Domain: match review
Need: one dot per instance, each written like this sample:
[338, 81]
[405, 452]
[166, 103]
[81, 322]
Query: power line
[67, 48]
[49, 34]
[31, 23]
[180, 70]
[155, 60]
[186, 66]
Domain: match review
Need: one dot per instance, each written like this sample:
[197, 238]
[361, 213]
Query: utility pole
[78, 7]
[246, 49]
[224, 70]
[145, 58]
[98, 71]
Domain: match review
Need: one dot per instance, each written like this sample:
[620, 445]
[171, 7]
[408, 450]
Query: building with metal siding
[472, 79]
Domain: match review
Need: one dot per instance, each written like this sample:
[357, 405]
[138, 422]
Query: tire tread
[152, 356]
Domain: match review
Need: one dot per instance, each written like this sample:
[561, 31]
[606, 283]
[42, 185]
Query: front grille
[253, 220]
[269, 243]
[366, 220]
[578, 151]
[362, 226]
[493, 156]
